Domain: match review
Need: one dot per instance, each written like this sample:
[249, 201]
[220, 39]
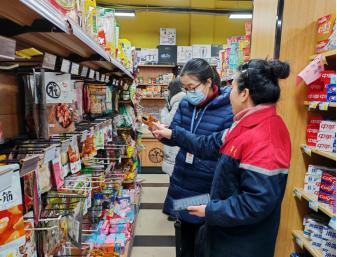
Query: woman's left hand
[199, 211]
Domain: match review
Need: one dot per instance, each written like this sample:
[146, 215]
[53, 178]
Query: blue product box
[331, 88]
[331, 97]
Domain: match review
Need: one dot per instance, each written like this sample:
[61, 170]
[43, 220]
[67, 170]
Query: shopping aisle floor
[154, 236]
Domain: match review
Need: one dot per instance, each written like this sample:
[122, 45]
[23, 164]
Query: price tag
[332, 223]
[75, 68]
[92, 74]
[65, 67]
[298, 193]
[84, 72]
[49, 154]
[103, 78]
[313, 205]
[307, 150]
[299, 242]
[29, 164]
[323, 106]
[107, 79]
[97, 75]
[49, 61]
[313, 105]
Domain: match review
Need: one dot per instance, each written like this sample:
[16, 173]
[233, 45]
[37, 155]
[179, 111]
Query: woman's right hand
[161, 131]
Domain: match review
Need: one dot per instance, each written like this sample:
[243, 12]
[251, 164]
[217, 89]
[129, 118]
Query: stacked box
[323, 89]
[328, 242]
[313, 229]
[312, 180]
[312, 130]
[327, 190]
[326, 136]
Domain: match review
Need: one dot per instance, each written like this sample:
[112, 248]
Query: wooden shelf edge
[308, 197]
[331, 104]
[156, 66]
[304, 243]
[146, 85]
[329, 53]
[328, 155]
[153, 98]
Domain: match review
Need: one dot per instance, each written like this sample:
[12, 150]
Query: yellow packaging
[89, 17]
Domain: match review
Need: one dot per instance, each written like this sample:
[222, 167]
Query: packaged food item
[44, 177]
[74, 156]
[149, 120]
[79, 111]
[11, 211]
[65, 158]
[97, 100]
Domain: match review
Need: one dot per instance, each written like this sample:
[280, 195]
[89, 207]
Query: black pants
[189, 233]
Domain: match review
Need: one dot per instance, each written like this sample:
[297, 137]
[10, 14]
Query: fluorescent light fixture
[241, 16]
[125, 13]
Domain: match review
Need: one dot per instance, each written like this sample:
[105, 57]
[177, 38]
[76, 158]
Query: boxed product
[167, 54]
[312, 130]
[313, 229]
[325, 28]
[316, 92]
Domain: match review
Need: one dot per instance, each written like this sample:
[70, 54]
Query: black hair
[261, 78]
[174, 87]
[201, 69]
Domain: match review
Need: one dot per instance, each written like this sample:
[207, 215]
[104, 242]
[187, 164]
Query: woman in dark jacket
[205, 110]
[243, 216]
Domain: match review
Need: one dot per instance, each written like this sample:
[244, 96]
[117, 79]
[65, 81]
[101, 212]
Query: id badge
[189, 158]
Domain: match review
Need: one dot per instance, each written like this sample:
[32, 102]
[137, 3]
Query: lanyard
[193, 119]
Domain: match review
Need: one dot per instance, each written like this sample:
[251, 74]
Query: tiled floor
[154, 236]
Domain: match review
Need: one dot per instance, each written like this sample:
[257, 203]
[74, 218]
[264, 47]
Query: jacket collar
[251, 119]
[253, 115]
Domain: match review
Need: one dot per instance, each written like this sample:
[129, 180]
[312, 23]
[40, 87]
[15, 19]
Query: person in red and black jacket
[242, 217]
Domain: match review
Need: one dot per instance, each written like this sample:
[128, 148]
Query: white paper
[49, 61]
[91, 74]
[184, 54]
[149, 55]
[65, 67]
[168, 36]
[84, 71]
[202, 51]
[75, 68]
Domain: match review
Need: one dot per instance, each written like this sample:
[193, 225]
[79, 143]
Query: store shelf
[301, 194]
[146, 85]
[328, 104]
[326, 54]
[309, 150]
[156, 66]
[153, 98]
[302, 242]
[69, 40]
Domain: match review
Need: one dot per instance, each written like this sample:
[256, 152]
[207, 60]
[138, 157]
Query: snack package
[79, 101]
[44, 177]
[59, 96]
[97, 100]
[57, 170]
[65, 158]
[74, 156]
[11, 211]
[149, 120]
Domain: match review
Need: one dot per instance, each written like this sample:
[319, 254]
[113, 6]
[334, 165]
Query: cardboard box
[325, 147]
[167, 54]
[327, 189]
[326, 198]
[328, 178]
[312, 142]
[327, 126]
[312, 131]
[315, 120]
[326, 137]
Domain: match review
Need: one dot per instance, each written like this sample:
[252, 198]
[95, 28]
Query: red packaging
[327, 189]
[315, 120]
[327, 178]
[326, 76]
[312, 142]
[326, 198]
[312, 130]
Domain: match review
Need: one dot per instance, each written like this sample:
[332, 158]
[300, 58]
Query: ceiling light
[241, 16]
[125, 13]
